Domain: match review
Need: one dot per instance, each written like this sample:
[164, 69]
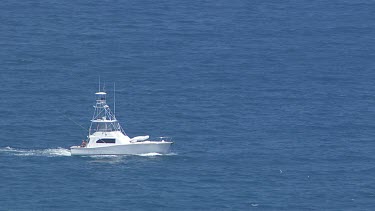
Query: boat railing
[164, 138]
[103, 130]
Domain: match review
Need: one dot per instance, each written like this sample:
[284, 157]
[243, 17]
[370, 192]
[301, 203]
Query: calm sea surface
[271, 104]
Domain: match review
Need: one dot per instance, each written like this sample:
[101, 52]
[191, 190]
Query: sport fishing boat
[106, 136]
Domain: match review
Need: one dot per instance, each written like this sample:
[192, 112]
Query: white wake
[152, 154]
[57, 152]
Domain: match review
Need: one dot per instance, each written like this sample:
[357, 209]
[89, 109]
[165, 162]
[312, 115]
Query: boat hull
[124, 149]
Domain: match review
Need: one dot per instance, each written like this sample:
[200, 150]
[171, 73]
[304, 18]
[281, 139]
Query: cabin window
[106, 141]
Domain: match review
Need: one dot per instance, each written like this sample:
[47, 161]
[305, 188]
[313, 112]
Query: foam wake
[58, 152]
[152, 154]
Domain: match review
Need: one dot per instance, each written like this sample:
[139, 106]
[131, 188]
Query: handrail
[164, 138]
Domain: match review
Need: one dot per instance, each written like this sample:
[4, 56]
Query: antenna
[99, 83]
[114, 99]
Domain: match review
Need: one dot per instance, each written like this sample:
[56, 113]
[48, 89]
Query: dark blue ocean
[271, 104]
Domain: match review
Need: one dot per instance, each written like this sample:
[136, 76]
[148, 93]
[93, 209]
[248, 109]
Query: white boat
[106, 136]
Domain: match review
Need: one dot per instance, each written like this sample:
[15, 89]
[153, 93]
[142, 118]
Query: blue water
[270, 103]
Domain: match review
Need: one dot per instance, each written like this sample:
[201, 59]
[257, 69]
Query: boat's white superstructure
[106, 136]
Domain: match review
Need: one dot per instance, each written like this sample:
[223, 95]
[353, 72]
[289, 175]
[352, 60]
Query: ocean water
[271, 104]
